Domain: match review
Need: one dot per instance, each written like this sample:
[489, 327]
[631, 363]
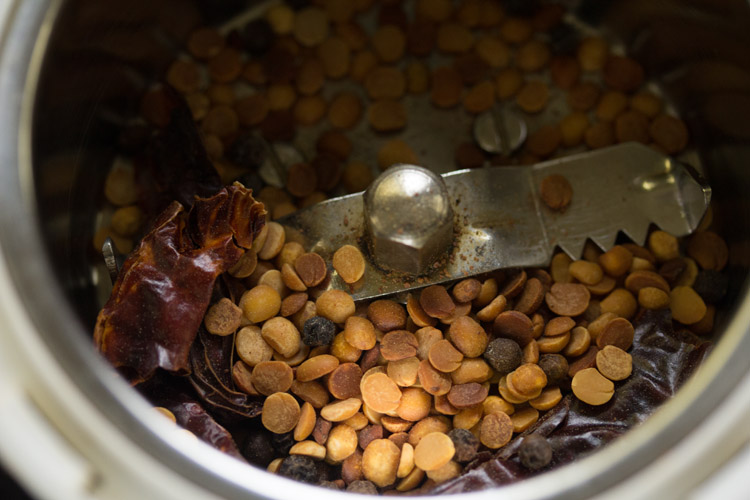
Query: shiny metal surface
[500, 130]
[59, 123]
[408, 219]
[501, 221]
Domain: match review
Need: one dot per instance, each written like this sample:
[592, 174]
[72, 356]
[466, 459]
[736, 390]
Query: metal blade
[500, 221]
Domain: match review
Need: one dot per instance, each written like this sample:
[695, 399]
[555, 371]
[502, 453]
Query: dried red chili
[164, 288]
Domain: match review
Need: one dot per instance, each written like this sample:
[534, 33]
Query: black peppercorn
[466, 445]
[282, 443]
[318, 331]
[258, 449]
[504, 355]
[363, 487]
[535, 452]
[555, 366]
[711, 285]
[300, 468]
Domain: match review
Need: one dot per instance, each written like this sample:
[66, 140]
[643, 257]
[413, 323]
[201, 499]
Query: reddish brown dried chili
[164, 288]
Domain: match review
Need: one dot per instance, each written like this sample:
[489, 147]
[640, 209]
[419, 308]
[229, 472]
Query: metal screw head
[408, 218]
[499, 131]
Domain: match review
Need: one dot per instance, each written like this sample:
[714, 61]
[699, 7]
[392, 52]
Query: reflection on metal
[499, 219]
[408, 219]
[278, 158]
[110, 259]
[499, 131]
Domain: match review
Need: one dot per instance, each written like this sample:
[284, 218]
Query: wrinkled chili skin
[174, 165]
[663, 359]
[164, 288]
[172, 394]
[210, 359]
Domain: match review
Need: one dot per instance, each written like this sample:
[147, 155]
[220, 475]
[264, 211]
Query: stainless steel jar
[70, 72]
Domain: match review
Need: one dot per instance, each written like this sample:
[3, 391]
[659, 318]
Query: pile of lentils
[329, 65]
[400, 397]
[393, 396]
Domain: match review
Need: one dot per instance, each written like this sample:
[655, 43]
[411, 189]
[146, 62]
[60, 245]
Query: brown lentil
[637, 280]
[387, 115]
[547, 400]
[344, 381]
[269, 377]
[306, 423]
[531, 352]
[467, 395]
[599, 135]
[583, 96]
[564, 71]
[316, 367]
[281, 335]
[496, 430]
[444, 357]
[433, 381]
[524, 418]
[310, 26]
[380, 462]
[223, 318]
[398, 344]
[415, 404]
[709, 250]
[226, 66]
[686, 305]
[242, 378]
[342, 442]
[556, 192]
[251, 347]
[370, 433]
[527, 379]
[389, 43]
[616, 261]
[669, 133]
[632, 126]
[588, 273]
[493, 309]
[453, 38]
[614, 363]
[580, 340]
[621, 302]
[335, 305]
[351, 469]
[447, 86]
[533, 96]
[468, 336]
[349, 263]
[508, 82]
[514, 325]
[592, 54]
[433, 451]
[591, 387]
[480, 97]
[335, 55]
[558, 326]
[360, 333]
[380, 393]
[653, 298]
[417, 314]
[309, 110]
[343, 350]
[338, 411]
[404, 371]
[281, 413]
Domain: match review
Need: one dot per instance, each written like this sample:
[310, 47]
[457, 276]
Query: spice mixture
[231, 331]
